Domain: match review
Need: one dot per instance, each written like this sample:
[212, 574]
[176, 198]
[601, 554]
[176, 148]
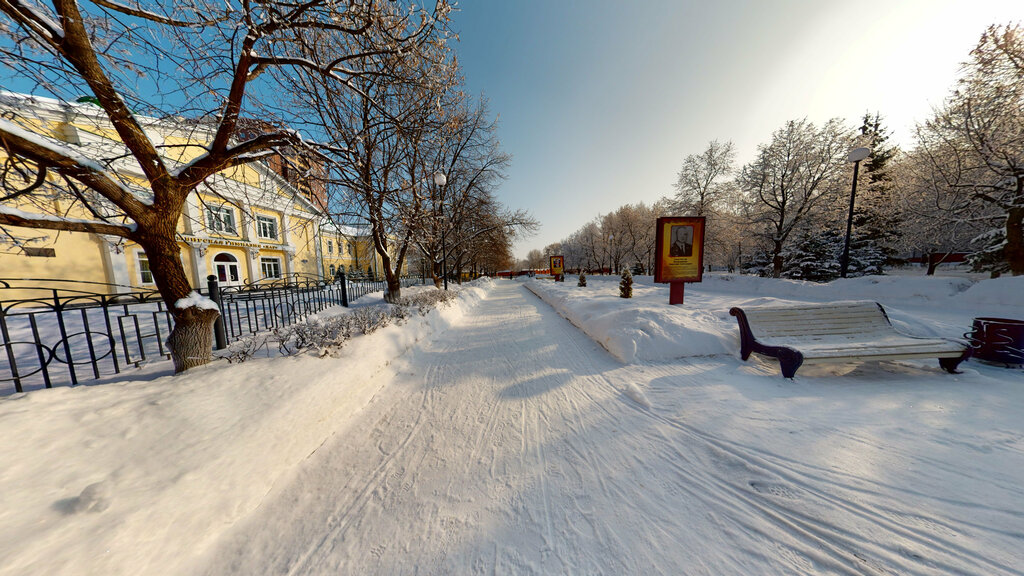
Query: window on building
[270, 267]
[330, 247]
[266, 227]
[221, 220]
[348, 248]
[333, 271]
[145, 274]
[41, 252]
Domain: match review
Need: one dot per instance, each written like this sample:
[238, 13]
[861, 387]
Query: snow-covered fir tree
[988, 255]
[877, 217]
[813, 256]
[626, 284]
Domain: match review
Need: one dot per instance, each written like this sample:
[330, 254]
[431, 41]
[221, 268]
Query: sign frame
[669, 268]
[556, 265]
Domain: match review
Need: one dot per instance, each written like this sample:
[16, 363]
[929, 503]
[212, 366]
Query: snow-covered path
[513, 444]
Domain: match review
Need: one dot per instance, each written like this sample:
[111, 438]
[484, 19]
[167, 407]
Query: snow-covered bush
[242, 349]
[626, 284]
[328, 335]
[583, 279]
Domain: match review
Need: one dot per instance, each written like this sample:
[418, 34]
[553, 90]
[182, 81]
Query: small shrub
[583, 279]
[626, 284]
[242, 349]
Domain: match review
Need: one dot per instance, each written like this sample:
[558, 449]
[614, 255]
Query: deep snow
[494, 437]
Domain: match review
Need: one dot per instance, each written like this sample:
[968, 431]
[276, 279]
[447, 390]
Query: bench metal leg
[950, 364]
[789, 361]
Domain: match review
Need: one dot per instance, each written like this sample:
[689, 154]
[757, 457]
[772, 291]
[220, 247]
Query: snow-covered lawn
[494, 437]
[646, 328]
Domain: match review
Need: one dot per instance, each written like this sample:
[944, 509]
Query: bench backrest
[843, 319]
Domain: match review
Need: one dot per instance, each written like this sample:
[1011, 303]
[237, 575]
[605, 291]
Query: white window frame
[266, 224]
[330, 247]
[141, 257]
[221, 220]
[270, 260]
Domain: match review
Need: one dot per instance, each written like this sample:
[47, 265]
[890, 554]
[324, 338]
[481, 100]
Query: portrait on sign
[682, 241]
[679, 249]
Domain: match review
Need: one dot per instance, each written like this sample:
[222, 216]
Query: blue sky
[599, 101]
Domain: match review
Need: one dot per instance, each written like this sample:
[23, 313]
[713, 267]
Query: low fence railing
[60, 332]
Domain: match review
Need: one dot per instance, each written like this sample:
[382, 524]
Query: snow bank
[1007, 291]
[644, 327]
[119, 478]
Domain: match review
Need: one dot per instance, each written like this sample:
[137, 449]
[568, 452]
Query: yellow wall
[78, 256]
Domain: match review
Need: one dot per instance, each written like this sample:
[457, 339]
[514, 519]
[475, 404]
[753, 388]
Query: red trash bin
[999, 340]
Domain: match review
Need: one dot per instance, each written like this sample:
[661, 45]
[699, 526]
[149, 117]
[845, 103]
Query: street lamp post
[855, 156]
[440, 180]
[611, 258]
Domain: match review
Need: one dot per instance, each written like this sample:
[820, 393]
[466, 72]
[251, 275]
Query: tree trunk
[437, 274]
[191, 339]
[394, 293]
[394, 281]
[933, 263]
[1014, 249]
[777, 260]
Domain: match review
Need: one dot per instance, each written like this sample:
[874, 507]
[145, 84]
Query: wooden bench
[836, 332]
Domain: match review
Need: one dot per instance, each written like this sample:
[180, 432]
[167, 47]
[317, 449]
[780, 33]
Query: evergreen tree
[583, 279]
[877, 218]
[816, 256]
[626, 284]
[989, 256]
[866, 257]
[761, 264]
[813, 256]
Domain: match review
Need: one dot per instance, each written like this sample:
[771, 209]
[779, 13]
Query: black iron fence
[59, 332]
[62, 332]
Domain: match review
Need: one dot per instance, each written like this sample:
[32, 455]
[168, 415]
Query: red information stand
[679, 254]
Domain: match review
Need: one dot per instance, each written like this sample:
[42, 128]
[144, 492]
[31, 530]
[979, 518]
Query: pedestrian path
[513, 444]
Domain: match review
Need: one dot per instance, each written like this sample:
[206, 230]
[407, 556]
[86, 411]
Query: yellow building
[349, 249]
[245, 225]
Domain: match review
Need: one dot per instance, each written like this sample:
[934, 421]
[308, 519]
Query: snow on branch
[32, 16]
[70, 161]
[158, 18]
[13, 217]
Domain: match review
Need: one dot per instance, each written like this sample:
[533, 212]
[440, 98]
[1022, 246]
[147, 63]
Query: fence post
[219, 332]
[344, 289]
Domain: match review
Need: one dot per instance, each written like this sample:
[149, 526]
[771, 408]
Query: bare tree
[203, 61]
[791, 177]
[974, 147]
[699, 183]
[373, 127]
[466, 150]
